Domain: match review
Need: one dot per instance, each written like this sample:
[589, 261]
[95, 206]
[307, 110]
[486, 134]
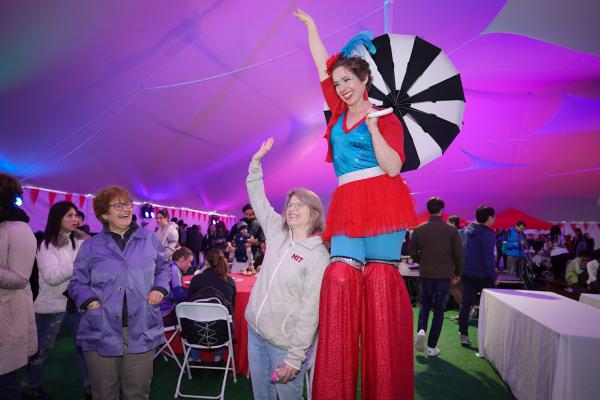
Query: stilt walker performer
[364, 303]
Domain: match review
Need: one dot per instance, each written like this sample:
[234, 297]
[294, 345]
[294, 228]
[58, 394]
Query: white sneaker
[433, 351]
[218, 358]
[420, 343]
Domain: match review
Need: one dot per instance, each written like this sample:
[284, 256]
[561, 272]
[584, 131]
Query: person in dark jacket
[456, 286]
[216, 237]
[254, 229]
[438, 248]
[579, 243]
[480, 270]
[182, 231]
[216, 275]
[194, 242]
[215, 279]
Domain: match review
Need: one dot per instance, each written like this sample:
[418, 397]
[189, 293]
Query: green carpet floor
[456, 374]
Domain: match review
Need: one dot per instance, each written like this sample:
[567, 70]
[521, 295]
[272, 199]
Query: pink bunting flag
[33, 194]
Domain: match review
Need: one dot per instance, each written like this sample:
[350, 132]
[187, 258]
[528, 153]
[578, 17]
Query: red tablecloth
[243, 285]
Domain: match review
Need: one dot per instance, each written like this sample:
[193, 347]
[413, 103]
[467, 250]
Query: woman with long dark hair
[216, 275]
[216, 237]
[213, 281]
[17, 254]
[55, 257]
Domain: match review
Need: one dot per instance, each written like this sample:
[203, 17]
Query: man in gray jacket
[438, 248]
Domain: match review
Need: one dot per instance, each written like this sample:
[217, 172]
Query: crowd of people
[113, 290]
[335, 274]
[553, 255]
[116, 336]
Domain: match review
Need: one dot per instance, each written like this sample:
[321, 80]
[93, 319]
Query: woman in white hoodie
[55, 258]
[167, 233]
[283, 310]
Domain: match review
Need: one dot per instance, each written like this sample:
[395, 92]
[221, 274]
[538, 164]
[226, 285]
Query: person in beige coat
[55, 257]
[167, 233]
[283, 310]
[18, 337]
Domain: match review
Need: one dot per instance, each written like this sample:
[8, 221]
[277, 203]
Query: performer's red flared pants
[370, 310]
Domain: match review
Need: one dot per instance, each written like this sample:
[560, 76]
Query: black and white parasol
[418, 80]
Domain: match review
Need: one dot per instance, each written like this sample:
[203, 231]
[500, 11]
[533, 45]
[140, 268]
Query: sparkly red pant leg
[387, 369]
[336, 364]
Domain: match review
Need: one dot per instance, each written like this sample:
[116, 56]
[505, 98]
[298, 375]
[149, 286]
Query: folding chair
[201, 311]
[166, 350]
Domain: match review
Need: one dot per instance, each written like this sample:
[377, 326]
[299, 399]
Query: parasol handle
[380, 113]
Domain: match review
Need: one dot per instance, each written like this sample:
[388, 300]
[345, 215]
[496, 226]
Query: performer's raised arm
[317, 48]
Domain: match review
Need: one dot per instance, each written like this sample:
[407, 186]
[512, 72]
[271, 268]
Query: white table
[545, 346]
[590, 299]
[405, 270]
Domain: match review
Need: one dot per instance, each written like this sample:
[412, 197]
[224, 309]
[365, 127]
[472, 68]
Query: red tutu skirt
[370, 207]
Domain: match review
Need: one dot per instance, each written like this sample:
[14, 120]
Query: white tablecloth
[590, 299]
[406, 271]
[545, 346]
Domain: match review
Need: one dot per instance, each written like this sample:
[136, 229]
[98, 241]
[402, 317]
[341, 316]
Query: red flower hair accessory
[330, 62]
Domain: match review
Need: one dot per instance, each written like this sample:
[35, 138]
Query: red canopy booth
[507, 219]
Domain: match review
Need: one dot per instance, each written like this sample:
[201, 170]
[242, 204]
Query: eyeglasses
[121, 205]
[296, 204]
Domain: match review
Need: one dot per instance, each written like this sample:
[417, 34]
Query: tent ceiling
[82, 102]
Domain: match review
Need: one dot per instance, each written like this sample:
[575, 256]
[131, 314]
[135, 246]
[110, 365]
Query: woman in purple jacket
[120, 277]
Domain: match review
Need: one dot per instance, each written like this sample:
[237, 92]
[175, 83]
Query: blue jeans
[72, 320]
[380, 247]
[434, 293]
[264, 357]
[196, 354]
[48, 327]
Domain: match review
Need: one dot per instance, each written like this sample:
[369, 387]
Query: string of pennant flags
[80, 199]
[189, 214]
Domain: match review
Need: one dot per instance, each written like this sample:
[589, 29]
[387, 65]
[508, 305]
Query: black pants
[559, 265]
[471, 285]
[196, 254]
[9, 386]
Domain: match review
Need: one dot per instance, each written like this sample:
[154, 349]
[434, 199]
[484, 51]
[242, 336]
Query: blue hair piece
[360, 39]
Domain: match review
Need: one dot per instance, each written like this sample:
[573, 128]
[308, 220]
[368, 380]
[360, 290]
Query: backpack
[207, 333]
[240, 247]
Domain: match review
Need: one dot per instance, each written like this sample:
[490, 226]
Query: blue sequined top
[352, 151]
